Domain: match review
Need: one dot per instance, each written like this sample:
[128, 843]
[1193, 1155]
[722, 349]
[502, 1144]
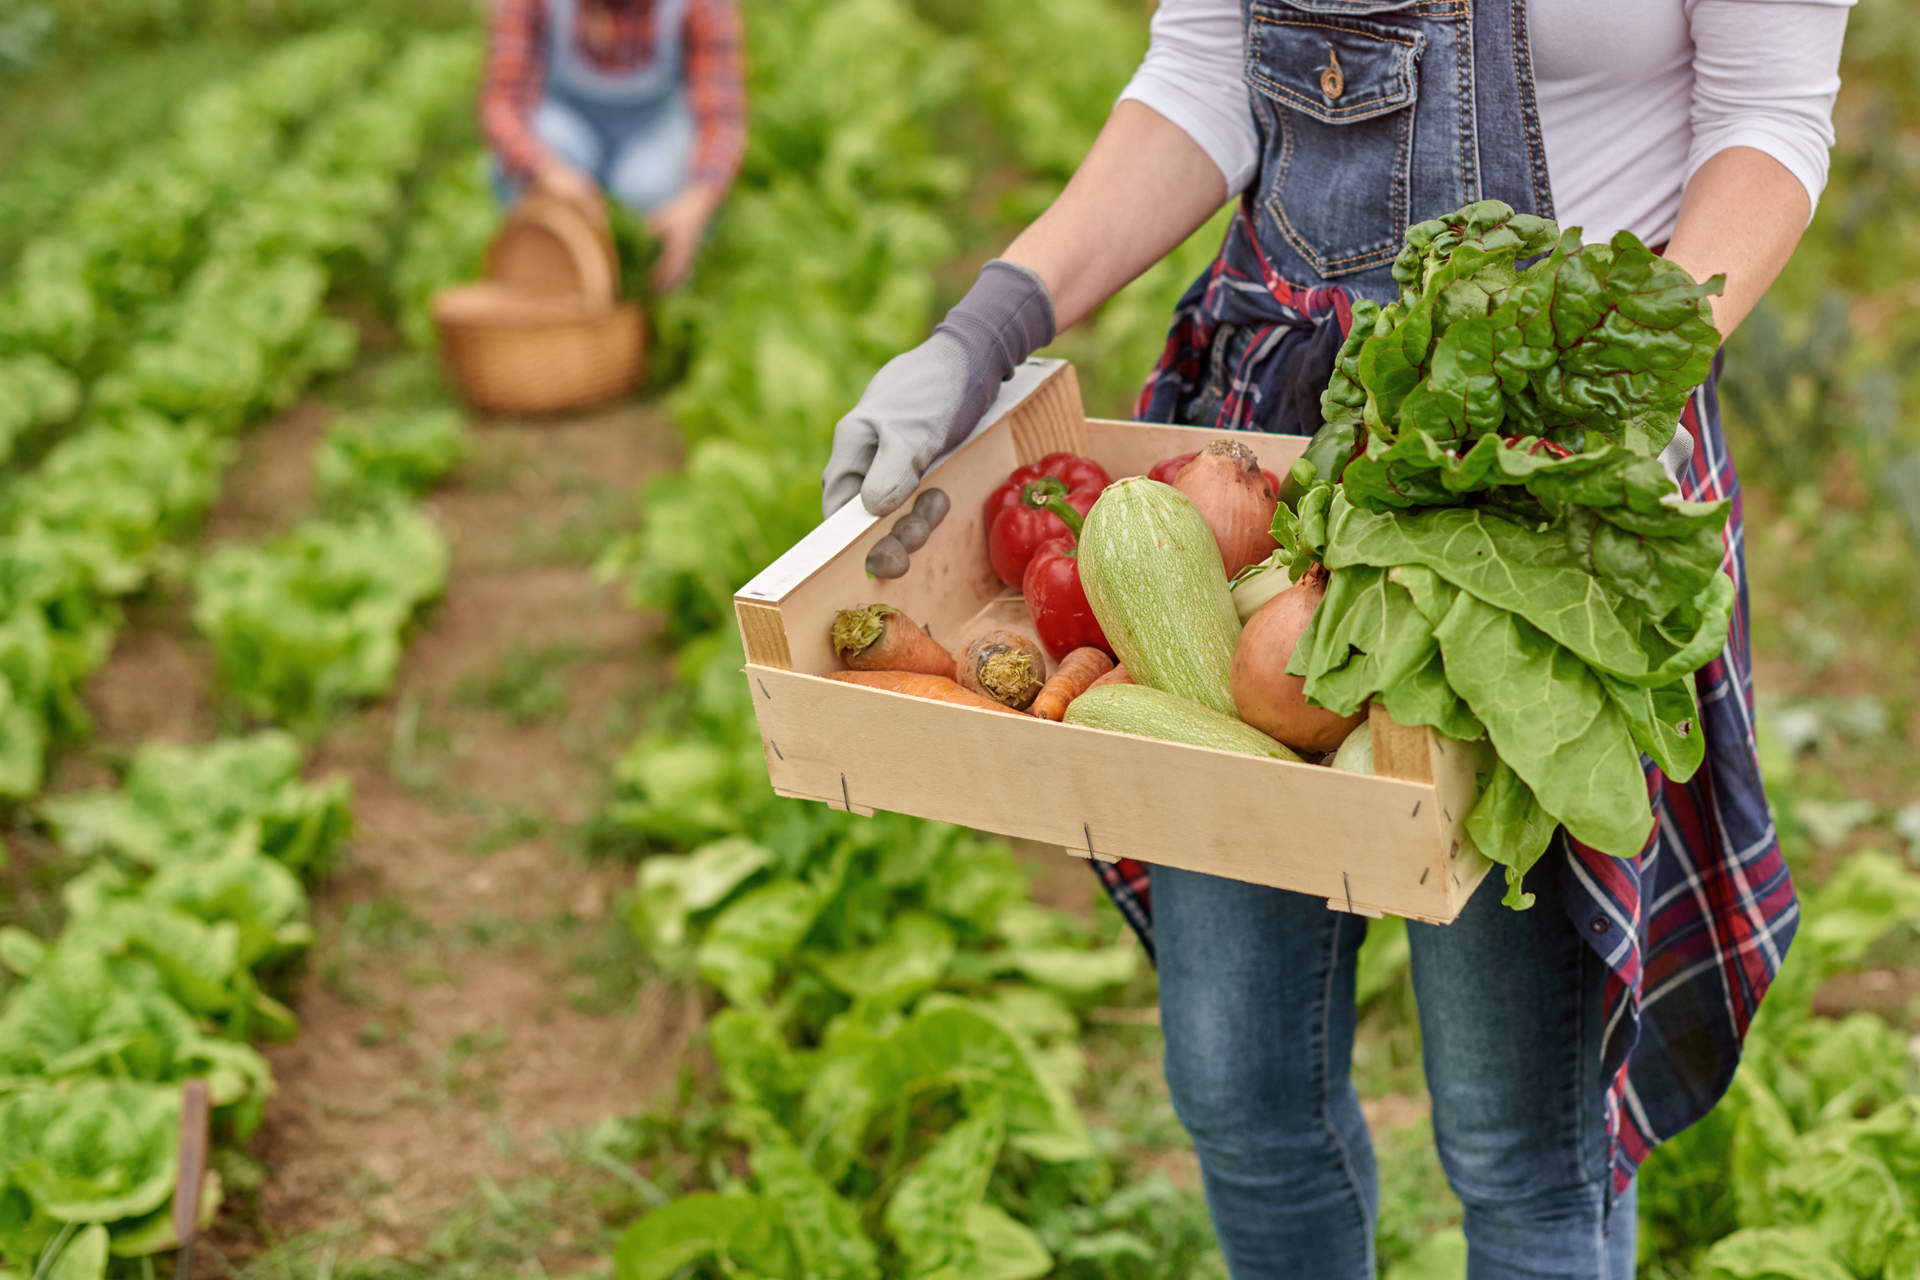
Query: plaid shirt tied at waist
[1693, 929]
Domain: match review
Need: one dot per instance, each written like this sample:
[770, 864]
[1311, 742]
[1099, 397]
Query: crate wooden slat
[1391, 843]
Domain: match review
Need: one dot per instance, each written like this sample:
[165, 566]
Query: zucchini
[1152, 573]
[1152, 713]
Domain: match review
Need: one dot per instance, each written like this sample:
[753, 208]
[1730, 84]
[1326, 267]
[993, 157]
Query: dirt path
[473, 993]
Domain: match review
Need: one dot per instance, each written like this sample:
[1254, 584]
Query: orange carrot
[1005, 666]
[918, 685]
[1116, 676]
[1075, 675]
[878, 637]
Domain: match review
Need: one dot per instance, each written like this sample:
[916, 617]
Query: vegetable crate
[1393, 843]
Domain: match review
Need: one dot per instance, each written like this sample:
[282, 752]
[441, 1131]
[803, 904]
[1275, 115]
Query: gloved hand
[927, 399]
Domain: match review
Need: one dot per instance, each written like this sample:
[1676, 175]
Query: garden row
[196, 320]
[183, 298]
[899, 1045]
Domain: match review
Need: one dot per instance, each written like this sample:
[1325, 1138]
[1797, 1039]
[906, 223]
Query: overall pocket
[1341, 91]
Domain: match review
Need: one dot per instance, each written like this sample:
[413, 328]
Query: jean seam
[1586, 1076]
[1326, 1089]
[1596, 1154]
[1469, 108]
[1521, 41]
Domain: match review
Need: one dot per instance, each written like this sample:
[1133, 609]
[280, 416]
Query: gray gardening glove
[1678, 455]
[927, 399]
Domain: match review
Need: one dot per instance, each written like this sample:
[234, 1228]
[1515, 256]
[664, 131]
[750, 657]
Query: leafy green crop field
[909, 1066]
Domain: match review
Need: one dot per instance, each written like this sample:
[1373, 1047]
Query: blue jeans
[639, 157]
[1257, 1005]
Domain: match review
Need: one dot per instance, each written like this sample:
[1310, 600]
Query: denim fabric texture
[1377, 114]
[641, 158]
[634, 132]
[1257, 1007]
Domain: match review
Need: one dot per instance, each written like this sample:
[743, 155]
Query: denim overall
[633, 131]
[1537, 1026]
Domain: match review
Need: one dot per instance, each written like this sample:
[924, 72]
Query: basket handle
[545, 240]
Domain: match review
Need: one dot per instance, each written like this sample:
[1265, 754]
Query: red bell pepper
[1167, 468]
[1016, 528]
[1056, 600]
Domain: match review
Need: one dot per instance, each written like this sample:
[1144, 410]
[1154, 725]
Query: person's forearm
[1742, 214]
[1143, 188]
[508, 131]
[516, 71]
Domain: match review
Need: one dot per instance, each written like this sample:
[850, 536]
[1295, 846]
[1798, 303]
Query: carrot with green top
[878, 637]
[1076, 674]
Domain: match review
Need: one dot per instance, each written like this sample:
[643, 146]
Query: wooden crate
[1392, 843]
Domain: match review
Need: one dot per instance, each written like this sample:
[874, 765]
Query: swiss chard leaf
[1549, 718]
[1539, 578]
[1509, 826]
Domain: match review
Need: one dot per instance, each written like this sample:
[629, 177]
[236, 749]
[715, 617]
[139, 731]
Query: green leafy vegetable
[1508, 560]
[34, 392]
[1809, 1169]
[186, 803]
[371, 459]
[314, 619]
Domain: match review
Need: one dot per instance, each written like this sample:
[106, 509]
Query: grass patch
[527, 687]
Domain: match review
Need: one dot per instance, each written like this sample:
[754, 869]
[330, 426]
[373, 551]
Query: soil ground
[472, 995]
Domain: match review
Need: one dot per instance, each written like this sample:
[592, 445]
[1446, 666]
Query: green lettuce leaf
[697, 1226]
[822, 1229]
[96, 1152]
[928, 1214]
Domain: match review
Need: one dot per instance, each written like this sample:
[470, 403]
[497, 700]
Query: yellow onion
[1225, 481]
[1264, 694]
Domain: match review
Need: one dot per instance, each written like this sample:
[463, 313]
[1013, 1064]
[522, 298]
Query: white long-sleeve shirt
[1633, 95]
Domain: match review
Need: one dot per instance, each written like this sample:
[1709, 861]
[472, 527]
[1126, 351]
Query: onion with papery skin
[1225, 481]
[1267, 697]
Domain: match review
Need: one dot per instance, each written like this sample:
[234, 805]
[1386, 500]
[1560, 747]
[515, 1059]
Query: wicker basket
[546, 331]
[513, 352]
[545, 247]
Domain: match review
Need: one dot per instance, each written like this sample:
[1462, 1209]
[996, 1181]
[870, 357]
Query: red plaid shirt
[517, 64]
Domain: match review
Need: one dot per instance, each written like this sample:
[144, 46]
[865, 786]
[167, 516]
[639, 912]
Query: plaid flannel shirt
[517, 65]
[1693, 929]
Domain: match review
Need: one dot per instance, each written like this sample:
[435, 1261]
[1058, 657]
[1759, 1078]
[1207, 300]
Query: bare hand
[562, 181]
[680, 223]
